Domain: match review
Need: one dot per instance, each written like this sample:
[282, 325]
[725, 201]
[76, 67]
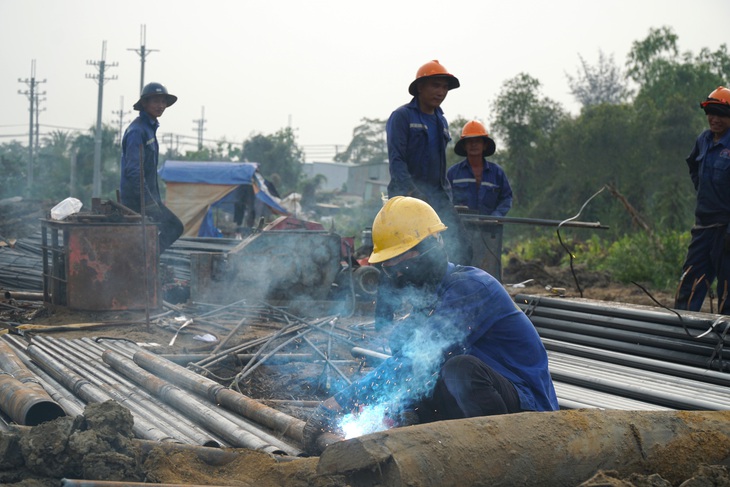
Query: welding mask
[426, 269]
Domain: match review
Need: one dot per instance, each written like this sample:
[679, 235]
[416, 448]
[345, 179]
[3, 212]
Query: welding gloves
[322, 420]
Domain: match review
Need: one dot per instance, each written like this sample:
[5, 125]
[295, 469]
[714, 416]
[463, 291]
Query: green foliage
[368, 144]
[654, 260]
[277, 154]
[526, 120]
[594, 85]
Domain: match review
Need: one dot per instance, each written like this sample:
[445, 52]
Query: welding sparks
[370, 420]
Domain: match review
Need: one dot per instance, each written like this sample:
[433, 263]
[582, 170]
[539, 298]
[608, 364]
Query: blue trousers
[706, 261]
[467, 388]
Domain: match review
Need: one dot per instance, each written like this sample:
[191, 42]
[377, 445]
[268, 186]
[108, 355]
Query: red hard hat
[432, 69]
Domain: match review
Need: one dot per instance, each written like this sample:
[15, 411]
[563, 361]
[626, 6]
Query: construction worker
[477, 183]
[417, 136]
[140, 141]
[464, 350]
[708, 255]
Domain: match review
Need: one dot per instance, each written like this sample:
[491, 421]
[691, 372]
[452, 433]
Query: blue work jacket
[471, 314]
[709, 168]
[492, 197]
[142, 132]
[413, 165]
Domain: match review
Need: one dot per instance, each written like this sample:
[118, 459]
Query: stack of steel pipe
[690, 339]
[655, 356]
[22, 397]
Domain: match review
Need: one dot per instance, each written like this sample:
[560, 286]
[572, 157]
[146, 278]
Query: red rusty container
[100, 265]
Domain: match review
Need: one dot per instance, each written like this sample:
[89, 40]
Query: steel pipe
[232, 400]
[72, 405]
[88, 392]
[644, 363]
[187, 404]
[116, 387]
[25, 405]
[677, 357]
[696, 321]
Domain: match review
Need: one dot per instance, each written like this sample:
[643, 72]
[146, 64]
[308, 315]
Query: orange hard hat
[475, 129]
[432, 69]
[717, 102]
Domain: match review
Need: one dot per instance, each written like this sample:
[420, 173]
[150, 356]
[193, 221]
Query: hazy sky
[317, 65]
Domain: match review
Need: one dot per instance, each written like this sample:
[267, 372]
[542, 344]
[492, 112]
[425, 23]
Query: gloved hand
[322, 420]
[407, 417]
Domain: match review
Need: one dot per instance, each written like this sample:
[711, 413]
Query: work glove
[322, 420]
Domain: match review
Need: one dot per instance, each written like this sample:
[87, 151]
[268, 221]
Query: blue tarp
[219, 173]
[208, 172]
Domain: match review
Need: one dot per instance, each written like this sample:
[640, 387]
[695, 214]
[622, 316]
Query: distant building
[335, 172]
[368, 180]
[364, 180]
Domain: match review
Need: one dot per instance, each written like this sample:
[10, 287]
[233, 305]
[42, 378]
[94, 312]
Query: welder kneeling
[464, 350]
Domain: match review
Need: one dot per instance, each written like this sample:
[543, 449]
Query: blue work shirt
[492, 197]
[709, 168]
[417, 155]
[478, 316]
[142, 132]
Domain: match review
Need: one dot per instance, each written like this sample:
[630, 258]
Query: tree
[368, 144]
[598, 84]
[276, 154]
[455, 126]
[111, 152]
[526, 120]
[13, 162]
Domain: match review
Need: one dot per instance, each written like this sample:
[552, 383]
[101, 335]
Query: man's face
[155, 105]
[474, 146]
[431, 92]
[718, 124]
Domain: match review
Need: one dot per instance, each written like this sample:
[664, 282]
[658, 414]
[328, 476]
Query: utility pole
[32, 95]
[100, 79]
[142, 51]
[37, 124]
[200, 127]
[121, 114]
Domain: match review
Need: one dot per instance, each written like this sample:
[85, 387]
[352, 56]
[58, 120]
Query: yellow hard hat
[401, 224]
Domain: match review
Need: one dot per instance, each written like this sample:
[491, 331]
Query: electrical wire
[560, 239]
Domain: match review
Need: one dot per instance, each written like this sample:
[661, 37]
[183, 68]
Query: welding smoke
[420, 345]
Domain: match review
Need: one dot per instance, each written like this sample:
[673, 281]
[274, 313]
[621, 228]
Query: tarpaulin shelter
[194, 188]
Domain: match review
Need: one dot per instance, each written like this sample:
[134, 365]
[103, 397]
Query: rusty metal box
[100, 266]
